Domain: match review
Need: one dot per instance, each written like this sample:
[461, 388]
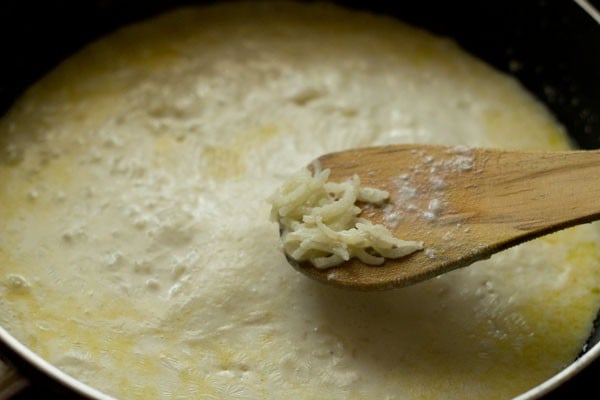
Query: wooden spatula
[463, 203]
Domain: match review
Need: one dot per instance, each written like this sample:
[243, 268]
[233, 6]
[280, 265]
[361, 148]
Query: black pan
[552, 47]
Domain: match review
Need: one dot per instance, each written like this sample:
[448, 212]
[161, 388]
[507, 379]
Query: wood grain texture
[464, 203]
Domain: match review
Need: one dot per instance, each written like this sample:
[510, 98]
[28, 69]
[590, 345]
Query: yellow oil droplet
[508, 125]
[222, 162]
[228, 161]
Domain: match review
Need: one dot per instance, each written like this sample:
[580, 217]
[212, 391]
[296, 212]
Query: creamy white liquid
[136, 252]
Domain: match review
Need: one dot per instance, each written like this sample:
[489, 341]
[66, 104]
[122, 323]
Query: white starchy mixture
[136, 250]
[319, 222]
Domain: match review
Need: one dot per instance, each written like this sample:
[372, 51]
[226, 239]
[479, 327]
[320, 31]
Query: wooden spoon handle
[535, 192]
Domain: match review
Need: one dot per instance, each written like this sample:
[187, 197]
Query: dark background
[556, 44]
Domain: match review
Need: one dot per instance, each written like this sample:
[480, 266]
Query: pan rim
[29, 356]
